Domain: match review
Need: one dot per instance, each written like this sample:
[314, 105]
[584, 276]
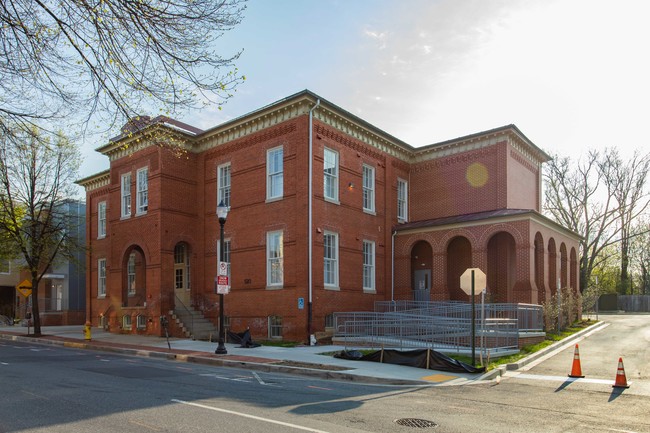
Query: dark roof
[456, 219]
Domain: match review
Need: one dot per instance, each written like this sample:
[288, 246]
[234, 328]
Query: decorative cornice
[444, 160]
[95, 181]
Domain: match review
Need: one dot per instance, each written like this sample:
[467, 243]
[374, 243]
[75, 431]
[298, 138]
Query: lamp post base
[221, 349]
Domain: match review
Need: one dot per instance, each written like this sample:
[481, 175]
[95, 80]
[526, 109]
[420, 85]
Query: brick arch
[491, 230]
[552, 266]
[502, 265]
[458, 259]
[538, 266]
[564, 265]
[573, 270]
[459, 232]
[407, 246]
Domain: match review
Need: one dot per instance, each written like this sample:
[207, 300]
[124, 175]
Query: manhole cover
[416, 423]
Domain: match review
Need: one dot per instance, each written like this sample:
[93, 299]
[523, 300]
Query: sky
[572, 75]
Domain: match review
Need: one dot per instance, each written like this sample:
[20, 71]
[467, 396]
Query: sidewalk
[302, 360]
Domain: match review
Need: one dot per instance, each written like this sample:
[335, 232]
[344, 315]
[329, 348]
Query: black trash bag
[353, 355]
[244, 339]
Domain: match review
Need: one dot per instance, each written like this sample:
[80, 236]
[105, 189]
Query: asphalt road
[55, 389]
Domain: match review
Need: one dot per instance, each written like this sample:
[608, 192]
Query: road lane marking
[318, 387]
[245, 415]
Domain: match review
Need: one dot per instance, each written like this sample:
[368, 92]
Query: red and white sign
[223, 288]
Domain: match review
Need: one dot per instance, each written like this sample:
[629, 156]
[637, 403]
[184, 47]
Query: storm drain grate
[415, 422]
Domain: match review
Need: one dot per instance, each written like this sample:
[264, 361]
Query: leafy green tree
[112, 58]
[37, 171]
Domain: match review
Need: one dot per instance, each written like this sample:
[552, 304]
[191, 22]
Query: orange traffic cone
[576, 371]
[621, 381]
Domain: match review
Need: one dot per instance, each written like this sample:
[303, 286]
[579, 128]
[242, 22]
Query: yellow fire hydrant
[87, 332]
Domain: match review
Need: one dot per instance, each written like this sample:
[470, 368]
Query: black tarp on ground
[413, 358]
[244, 339]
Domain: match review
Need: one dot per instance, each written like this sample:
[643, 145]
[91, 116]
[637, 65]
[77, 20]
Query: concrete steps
[194, 324]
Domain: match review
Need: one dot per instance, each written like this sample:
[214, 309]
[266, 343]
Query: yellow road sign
[25, 288]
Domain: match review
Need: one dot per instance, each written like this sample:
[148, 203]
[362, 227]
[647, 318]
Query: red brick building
[328, 213]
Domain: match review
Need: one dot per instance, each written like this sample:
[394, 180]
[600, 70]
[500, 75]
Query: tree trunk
[36, 315]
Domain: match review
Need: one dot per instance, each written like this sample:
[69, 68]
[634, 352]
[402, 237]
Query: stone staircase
[194, 324]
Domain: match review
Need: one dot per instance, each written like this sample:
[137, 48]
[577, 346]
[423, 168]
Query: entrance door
[422, 285]
[182, 273]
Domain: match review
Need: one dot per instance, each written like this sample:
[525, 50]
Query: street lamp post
[222, 213]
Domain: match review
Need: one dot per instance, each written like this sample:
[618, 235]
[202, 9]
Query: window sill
[333, 288]
[370, 212]
[331, 200]
[274, 287]
[370, 291]
[139, 214]
[101, 296]
[101, 237]
[273, 199]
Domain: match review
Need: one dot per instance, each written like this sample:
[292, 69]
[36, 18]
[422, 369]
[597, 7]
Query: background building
[328, 213]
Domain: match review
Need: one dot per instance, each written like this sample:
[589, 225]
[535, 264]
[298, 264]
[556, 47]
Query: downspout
[312, 339]
[392, 266]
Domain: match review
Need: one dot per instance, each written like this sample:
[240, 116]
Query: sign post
[472, 279]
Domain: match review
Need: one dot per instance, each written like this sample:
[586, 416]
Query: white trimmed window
[330, 174]
[5, 266]
[275, 327]
[141, 322]
[130, 271]
[331, 259]
[126, 322]
[368, 188]
[368, 265]
[274, 173]
[402, 200]
[274, 259]
[101, 278]
[101, 219]
[223, 184]
[126, 195]
[143, 190]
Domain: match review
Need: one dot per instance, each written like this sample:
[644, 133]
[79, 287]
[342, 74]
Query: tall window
[331, 261]
[274, 256]
[101, 219]
[5, 266]
[330, 174]
[223, 184]
[226, 253]
[101, 278]
[274, 173]
[143, 190]
[402, 200]
[130, 271]
[368, 265]
[368, 188]
[182, 267]
[126, 195]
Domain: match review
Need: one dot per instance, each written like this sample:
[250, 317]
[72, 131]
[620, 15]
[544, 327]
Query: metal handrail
[178, 301]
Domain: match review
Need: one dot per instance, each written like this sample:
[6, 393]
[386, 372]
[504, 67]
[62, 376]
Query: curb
[501, 370]
[219, 362]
